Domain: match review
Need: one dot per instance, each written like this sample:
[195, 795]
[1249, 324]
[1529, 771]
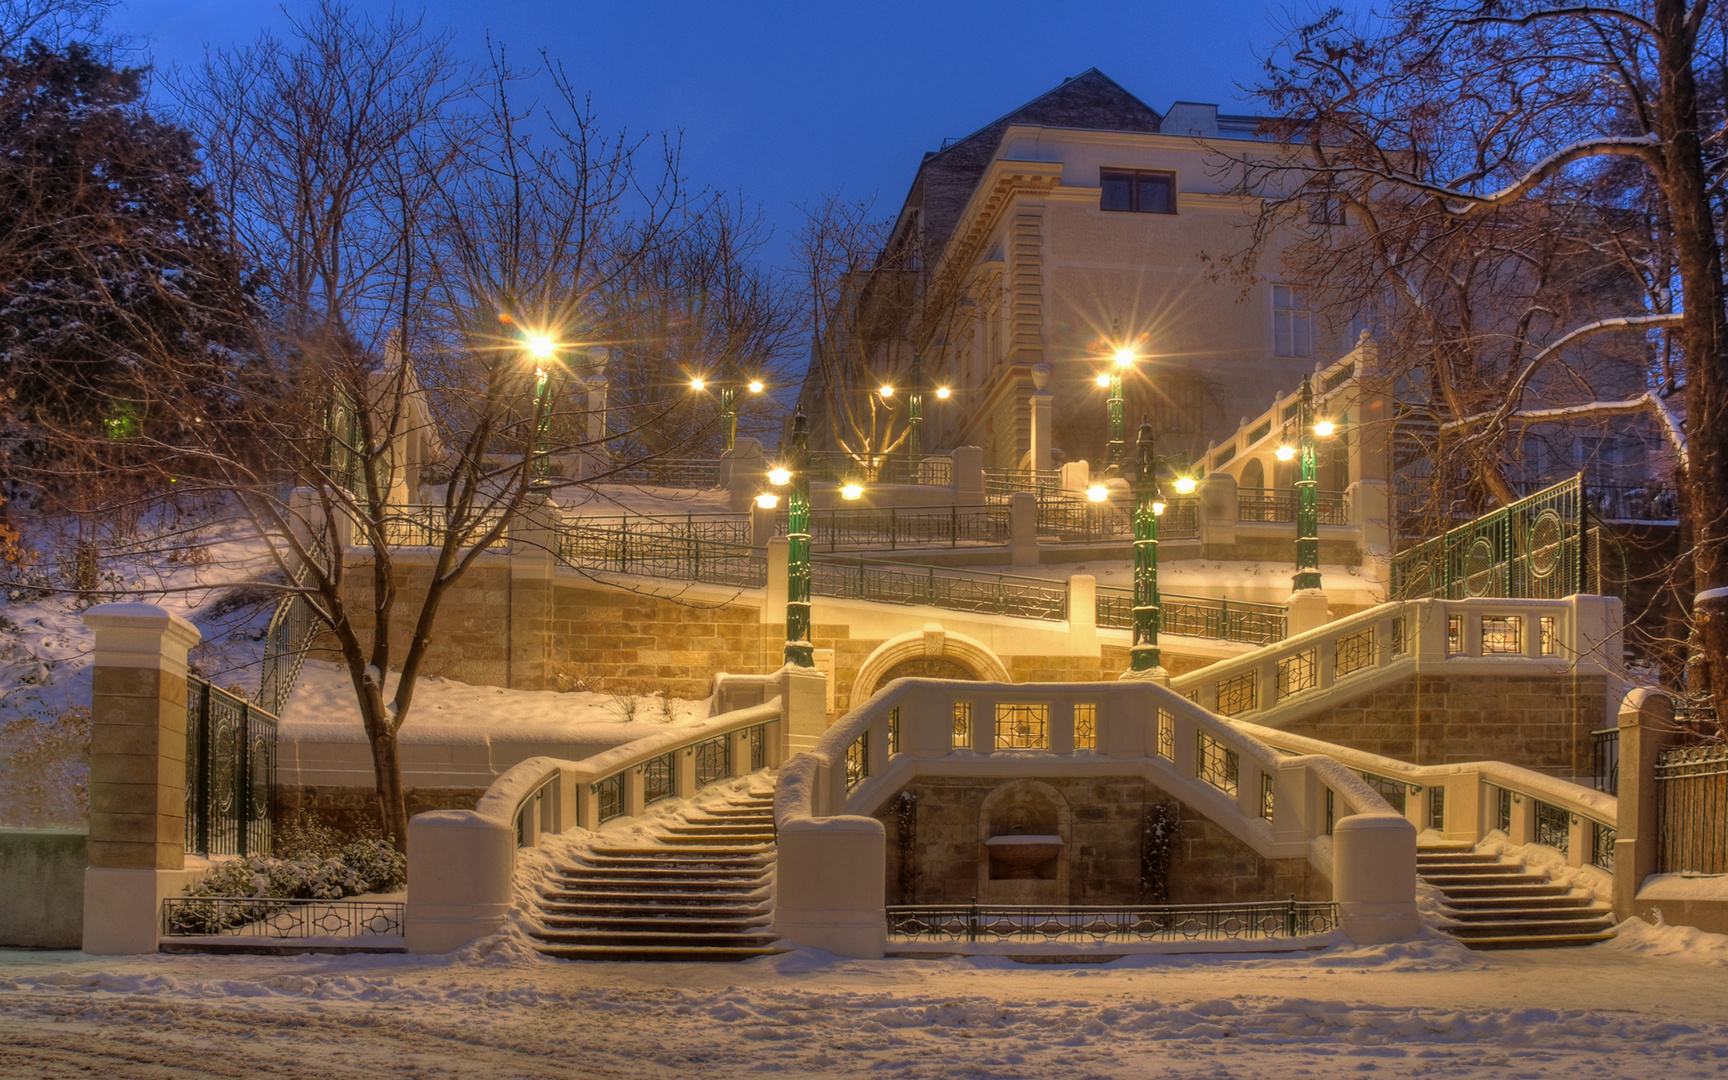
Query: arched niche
[930, 653]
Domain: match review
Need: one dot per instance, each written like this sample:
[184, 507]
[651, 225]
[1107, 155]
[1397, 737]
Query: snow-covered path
[1424, 1010]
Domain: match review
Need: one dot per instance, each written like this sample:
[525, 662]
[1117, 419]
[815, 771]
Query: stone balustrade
[832, 859]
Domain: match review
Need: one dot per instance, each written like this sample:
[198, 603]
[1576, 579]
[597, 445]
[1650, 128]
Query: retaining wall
[42, 905]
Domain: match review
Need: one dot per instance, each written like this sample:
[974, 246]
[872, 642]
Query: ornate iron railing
[1001, 483]
[653, 554]
[841, 529]
[1159, 922]
[837, 466]
[1231, 620]
[713, 760]
[286, 643]
[230, 769]
[1692, 792]
[1541, 548]
[956, 590]
[210, 916]
[707, 528]
[687, 473]
[1259, 504]
[1553, 827]
[1606, 747]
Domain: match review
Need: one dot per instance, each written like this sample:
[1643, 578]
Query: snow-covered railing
[460, 862]
[831, 865]
[1354, 655]
[1468, 800]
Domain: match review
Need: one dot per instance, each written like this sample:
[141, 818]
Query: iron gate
[1539, 548]
[1692, 794]
[230, 769]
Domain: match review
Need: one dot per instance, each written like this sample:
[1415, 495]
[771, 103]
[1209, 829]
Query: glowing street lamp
[726, 390]
[1307, 490]
[767, 500]
[851, 490]
[1113, 380]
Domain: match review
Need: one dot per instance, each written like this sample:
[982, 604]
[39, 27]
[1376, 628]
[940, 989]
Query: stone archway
[931, 653]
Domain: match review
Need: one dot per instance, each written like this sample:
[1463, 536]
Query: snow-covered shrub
[306, 837]
[361, 866]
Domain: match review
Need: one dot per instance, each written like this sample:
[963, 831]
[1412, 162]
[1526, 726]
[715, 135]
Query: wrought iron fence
[955, 590]
[1632, 502]
[1692, 792]
[1553, 827]
[1260, 504]
[713, 760]
[865, 527]
[1537, 548]
[1606, 746]
[609, 796]
[1160, 922]
[658, 778]
[1393, 791]
[837, 466]
[669, 556]
[230, 769]
[426, 526]
[708, 528]
[1001, 483]
[757, 738]
[210, 916]
[687, 473]
[1195, 616]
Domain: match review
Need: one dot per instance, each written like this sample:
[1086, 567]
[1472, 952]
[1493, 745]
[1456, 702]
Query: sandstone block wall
[1108, 815]
[1540, 722]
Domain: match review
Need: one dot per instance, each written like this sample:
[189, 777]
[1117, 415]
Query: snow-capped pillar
[1042, 403]
[968, 475]
[774, 592]
[460, 866]
[1646, 726]
[830, 881]
[1374, 878]
[1305, 610]
[804, 701]
[137, 774]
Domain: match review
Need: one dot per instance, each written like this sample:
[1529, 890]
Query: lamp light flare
[541, 347]
[944, 393]
[1285, 453]
[755, 386]
[698, 384]
[1124, 357]
[1097, 493]
[1186, 484]
[780, 477]
[885, 390]
[1325, 428]
[1103, 380]
[1157, 506]
[767, 500]
[851, 491]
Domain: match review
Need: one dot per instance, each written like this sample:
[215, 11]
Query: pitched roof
[947, 177]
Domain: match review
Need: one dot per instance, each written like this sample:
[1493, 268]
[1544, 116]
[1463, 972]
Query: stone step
[1507, 903]
[611, 908]
[617, 883]
[651, 856]
[1537, 941]
[1446, 881]
[1459, 868]
[729, 838]
[763, 830]
[656, 954]
[668, 868]
[645, 900]
[1529, 915]
[611, 923]
[626, 938]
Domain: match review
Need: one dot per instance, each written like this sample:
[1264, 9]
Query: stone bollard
[968, 475]
[137, 774]
[830, 881]
[1646, 726]
[1374, 878]
[1305, 610]
[460, 866]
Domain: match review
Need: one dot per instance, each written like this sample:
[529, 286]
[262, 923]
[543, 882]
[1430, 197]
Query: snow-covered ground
[1650, 1004]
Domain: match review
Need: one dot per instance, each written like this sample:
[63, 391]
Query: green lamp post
[915, 412]
[1112, 380]
[1307, 497]
[726, 393]
[799, 651]
[1148, 504]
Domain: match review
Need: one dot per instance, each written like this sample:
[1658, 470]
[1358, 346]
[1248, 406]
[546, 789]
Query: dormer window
[1137, 192]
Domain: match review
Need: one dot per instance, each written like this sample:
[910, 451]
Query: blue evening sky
[785, 101]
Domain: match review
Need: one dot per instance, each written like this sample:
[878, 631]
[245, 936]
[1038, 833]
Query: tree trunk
[1705, 335]
[392, 800]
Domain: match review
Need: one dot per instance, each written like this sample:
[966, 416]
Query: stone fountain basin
[1023, 853]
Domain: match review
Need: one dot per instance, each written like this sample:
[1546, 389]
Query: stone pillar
[1076, 476]
[774, 592]
[1082, 615]
[762, 520]
[1371, 514]
[1374, 878]
[1042, 403]
[1218, 514]
[804, 704]
[968, 476]
[1304, 611]
[830, 881]
[1646, 727]
[1023, 528]
[742, 470]
[459, 878]
[137, 774]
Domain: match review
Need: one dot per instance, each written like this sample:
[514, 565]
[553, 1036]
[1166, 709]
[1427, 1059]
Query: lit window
[1502, 634]
[1137, 192]
[1292, 323]
[962, 739]
[1022, 727]
[1086, 725]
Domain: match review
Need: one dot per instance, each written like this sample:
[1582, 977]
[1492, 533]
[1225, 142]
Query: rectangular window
[1086, 725]
[1236, 694]
[1398, 636]
[858, 761]
[1330, 810]
[1437, 809]
[1166, 735]
[962, 737]
[1296, 673]
[1216, 763]
[894, 730]
[1549, 640]
[1137, 192]
[1503, 819]
[1326, 208]
[1502, 635]
[1266, 796]
[1022, 727]
[1454, 635]
[1292, 323]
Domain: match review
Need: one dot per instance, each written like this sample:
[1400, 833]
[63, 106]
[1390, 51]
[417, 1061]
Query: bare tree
[52, 22]
[1497, 112]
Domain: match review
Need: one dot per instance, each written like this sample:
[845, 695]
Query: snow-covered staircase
[1489, 902]
[699, 888]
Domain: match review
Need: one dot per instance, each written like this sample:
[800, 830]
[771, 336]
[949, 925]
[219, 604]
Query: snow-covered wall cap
[137, 635]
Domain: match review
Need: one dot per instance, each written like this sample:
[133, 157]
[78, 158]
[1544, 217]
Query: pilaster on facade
[1026, 283]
